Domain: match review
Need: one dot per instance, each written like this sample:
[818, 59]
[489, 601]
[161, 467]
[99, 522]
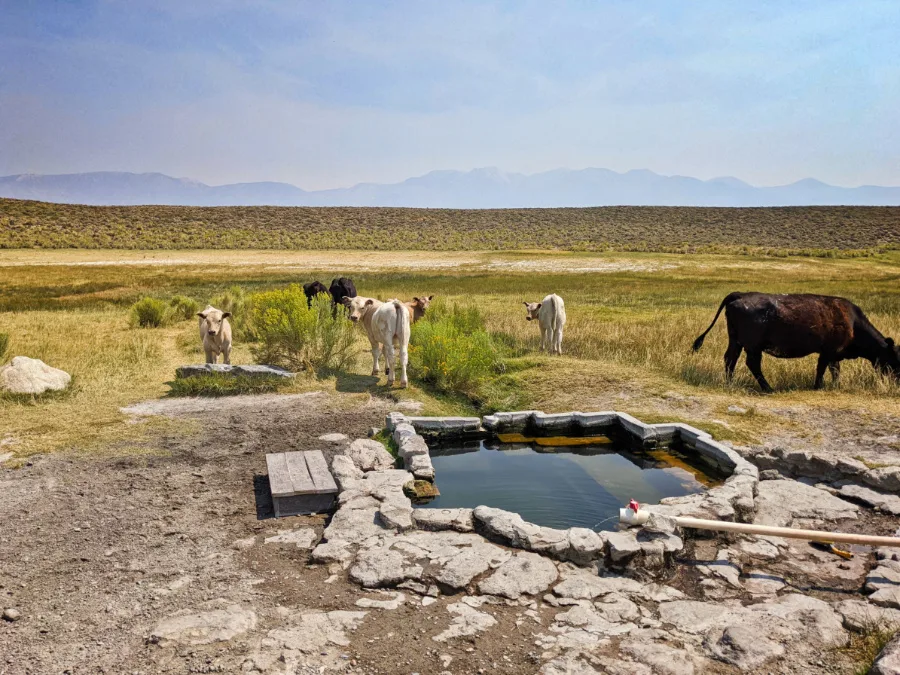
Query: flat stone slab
[250, 370]
[202, 628]
[781, 501]
[436, 520]
[876, 500]
[303, 538]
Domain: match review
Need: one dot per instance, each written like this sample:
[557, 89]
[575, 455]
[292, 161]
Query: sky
[330, 94]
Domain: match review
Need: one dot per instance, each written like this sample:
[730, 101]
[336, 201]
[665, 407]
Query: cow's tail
[728, 298]
[559, 312]
[403, 328]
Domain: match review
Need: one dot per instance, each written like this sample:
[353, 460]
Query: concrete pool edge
[735, 500]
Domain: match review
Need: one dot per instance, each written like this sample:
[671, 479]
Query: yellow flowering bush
[296, 337]
[451, 350]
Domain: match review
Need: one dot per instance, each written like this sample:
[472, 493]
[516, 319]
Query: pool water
[560, 487]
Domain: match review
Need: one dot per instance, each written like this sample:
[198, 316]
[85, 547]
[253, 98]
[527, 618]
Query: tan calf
[215, 334]
[417, 307]
[385, 323]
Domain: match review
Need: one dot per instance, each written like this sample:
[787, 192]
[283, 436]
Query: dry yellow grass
[632, 319]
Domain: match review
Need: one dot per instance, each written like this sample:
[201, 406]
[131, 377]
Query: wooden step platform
[300, 482]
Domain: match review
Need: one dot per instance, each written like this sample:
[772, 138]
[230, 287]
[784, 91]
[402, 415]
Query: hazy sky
[328, 94]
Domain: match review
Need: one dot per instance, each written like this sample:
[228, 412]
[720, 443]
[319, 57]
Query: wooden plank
[318, 469]
[300, 478]
[279, 478]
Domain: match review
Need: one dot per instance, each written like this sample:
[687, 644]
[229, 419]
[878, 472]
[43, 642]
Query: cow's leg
[821, 365]
[376, 356]
[389, 361]
[404, 359]
[835, 368]
[557, 340]
[226, 355]
[732, 354]
[210, 357]
[754, 363]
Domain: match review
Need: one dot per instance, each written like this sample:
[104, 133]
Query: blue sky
[328, 94]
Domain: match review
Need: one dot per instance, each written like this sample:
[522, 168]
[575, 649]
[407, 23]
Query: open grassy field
[818, 231]
[631, 320]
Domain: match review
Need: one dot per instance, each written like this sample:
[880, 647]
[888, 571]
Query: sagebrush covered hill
[810, 230]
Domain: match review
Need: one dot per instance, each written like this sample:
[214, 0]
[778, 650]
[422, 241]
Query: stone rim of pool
[650, 547]
[383, 541]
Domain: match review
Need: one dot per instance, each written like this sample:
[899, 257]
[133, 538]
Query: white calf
[215, 333]
[385, 322]
[551, 314]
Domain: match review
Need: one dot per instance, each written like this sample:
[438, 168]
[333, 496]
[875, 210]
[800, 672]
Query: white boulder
[23, 375]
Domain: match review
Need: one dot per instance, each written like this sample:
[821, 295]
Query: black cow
[342, 288]
[312, 289]
[793, 326]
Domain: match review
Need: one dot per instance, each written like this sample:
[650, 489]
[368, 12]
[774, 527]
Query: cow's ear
[890, 342]
[525, 303]
[369, 302]
[201, 315]
[345, 301]
[540, 304]
[225, 315]
[415, 299]
[430, 298]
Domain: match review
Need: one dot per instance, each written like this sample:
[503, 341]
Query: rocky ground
[168, 561]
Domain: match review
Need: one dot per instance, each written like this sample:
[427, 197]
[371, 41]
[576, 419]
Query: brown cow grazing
[312, 289]
[794, 326]
[417, 307]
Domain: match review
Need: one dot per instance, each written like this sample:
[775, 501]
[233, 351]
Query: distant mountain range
[480, 188]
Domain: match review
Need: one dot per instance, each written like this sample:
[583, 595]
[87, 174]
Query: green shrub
[151, 313]
[184, 308]
[238, 302]
[451, 350]
[225, 385]
[4, 346]
[291, 335]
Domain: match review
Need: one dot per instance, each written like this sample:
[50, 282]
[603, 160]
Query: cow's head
[212, 320]
[357, 307]
[889, 359]
[419, 305]
[531, 310]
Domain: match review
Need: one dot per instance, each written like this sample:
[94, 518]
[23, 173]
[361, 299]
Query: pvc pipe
[788, 533]
[630, 517]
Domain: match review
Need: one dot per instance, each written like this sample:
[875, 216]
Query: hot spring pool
[560, 487]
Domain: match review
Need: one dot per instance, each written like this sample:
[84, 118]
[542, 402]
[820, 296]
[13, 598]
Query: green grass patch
[184, 308]
[865, 645]
[216, 384]
[151, 313]
[387, 440]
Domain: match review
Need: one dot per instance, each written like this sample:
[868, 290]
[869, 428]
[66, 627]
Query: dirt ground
[95, 551]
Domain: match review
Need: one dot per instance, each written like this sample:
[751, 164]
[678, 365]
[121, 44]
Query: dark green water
[556, 487]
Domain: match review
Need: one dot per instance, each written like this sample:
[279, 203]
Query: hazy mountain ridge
[479, 188]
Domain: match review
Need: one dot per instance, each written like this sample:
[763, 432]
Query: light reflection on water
[556, 487]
